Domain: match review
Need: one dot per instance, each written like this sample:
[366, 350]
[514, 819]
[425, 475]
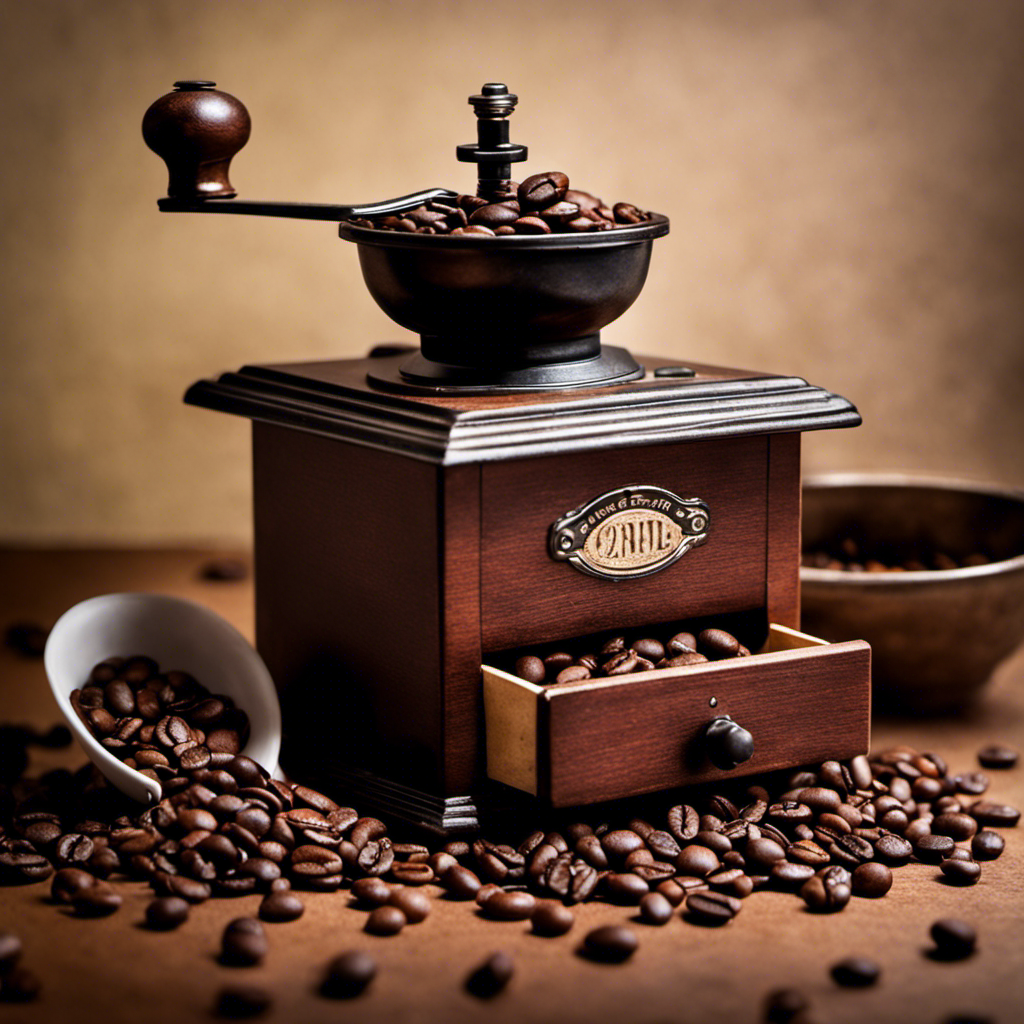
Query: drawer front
[803, 701]
[529, 598]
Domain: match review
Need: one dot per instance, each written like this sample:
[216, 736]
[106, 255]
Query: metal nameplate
[630, 532]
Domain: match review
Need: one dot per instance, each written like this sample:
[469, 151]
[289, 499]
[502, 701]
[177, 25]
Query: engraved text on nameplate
[629, 532]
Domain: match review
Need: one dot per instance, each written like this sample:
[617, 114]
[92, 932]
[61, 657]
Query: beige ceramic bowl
[936, 635]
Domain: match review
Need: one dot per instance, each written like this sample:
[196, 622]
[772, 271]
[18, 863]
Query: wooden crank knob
[197, 130]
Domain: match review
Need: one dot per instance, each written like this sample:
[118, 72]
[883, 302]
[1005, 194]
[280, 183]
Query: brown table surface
[114, 970]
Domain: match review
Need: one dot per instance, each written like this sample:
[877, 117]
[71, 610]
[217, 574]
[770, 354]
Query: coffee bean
[573, 674]
[932, 848]
[893, 849]
[956, 826]
[628, 889]
[281, 906]
[988, 813]
[683, 822]
[712, 908]
[411, 902]
[764, 853]
[239, 1002]
[697, 860]
[826, 894]
[649, 648]
[717, 644]
[681, 643]
[611, 943]
[20, 986]
[960, 872]
[621, 842]
[98, 900]
[10, 952]
[68, 882]
[244, 943]
[551, 919]
[509, 906]
[871, 880]
[790, 876]
[987, 845]
[385, 921]
[166, 913]
[531, 668]
[954, 939]
[348, 975]
[997, 756]
[819, 799]
[856, 972]
[806, 851]
[543, 189]
[655, 909]
[784, 1005]
[487, 980]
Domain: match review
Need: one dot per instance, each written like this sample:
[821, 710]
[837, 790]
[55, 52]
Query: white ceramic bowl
[178, 635]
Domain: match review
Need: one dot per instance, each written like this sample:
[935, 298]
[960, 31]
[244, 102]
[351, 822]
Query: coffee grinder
[424, 516]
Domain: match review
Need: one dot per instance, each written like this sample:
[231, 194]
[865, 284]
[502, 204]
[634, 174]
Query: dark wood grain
[782, 554]
[528, 598]
[607, 740]
[348, 604]
[460, 625]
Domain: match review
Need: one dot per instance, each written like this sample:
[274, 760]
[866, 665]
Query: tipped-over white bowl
[177, 634]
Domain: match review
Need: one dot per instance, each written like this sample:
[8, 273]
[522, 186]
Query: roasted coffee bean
[956, 826]
[649, 648]
[990, 814]
[348, 975]
[872, 880]
[551, 919]
[806, 851]
[281, 906]
[166, 913]
[573, 674]
[960, 872]
[932, 848]
[627, 889]
[997, 756]
[619, 843]
[893, 849]
[487, 980]
[409, 873]
[543, 189]
[789, 876]
[712, 908]
[697, 860]
[531, 668]
[662, 845]
[819, 799]
[243, 943]
[414, 904]
[764, 853]
[621, 664]
[972, 783]
[240, 1002]
[189, 889]
[20, 986]
[987, 845]
[612, 943]
[683, 822]
[68, 882]
[717, 644]
[509, 906]
[954, 939]
[98, 900]
[386, 920]
[856, 972]
[826, 895]
[784, 1005]
[655, 909]
[460, 883]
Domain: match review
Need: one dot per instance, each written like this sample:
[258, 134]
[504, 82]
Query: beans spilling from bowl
[157, 722]
[850, 556]
[543, 204]
[620, 656]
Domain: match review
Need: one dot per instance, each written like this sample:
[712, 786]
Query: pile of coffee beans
[848, 555]
[543, 204]
[158, 722]
[620, 656]
[828, 835]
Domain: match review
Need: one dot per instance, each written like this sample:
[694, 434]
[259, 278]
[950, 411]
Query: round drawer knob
[728, 743]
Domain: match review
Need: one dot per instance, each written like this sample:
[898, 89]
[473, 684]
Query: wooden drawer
[527, 597]
[803, 700]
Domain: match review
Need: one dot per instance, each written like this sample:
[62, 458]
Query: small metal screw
[713, 702]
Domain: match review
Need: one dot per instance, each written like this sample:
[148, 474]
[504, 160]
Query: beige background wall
[845, 182]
